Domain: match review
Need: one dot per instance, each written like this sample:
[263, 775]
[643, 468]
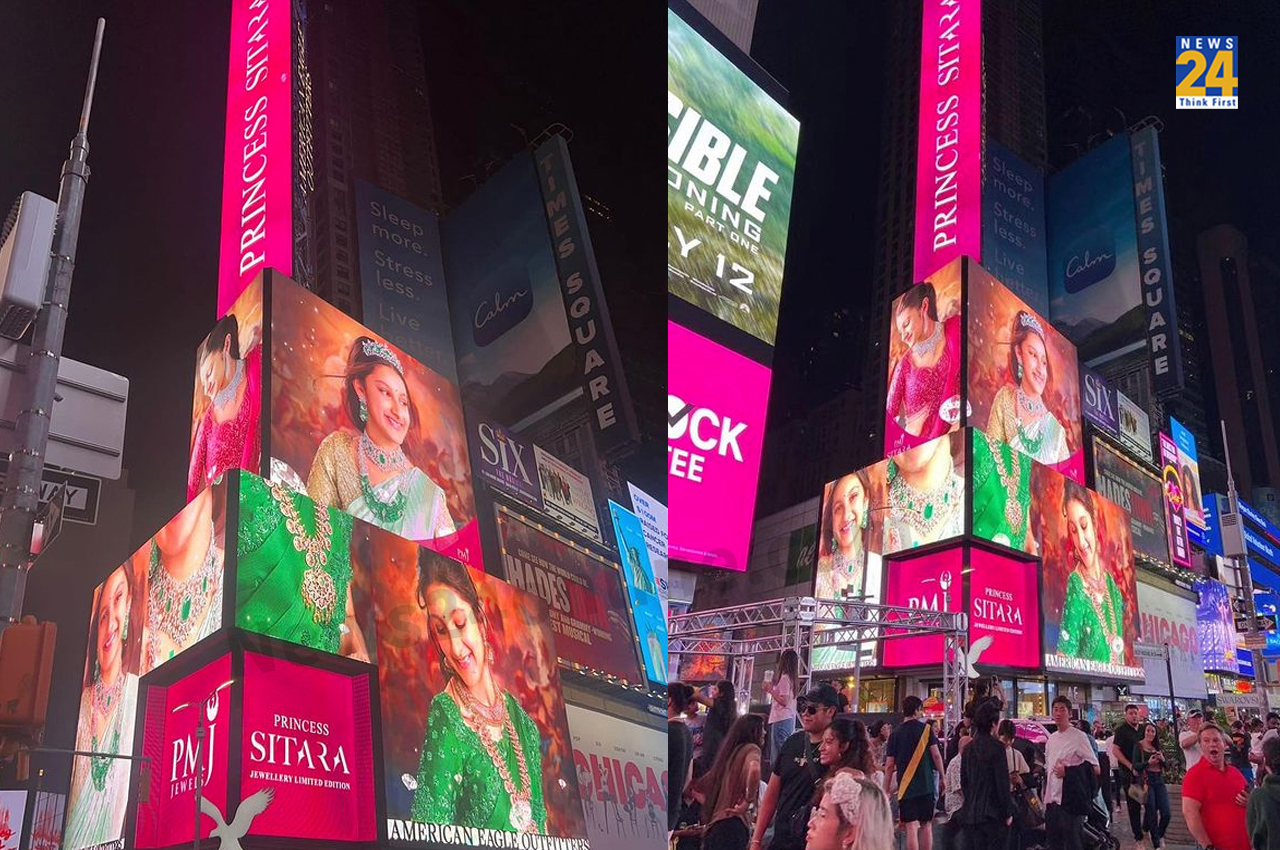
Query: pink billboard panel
[307, 746]
[257, 164]
[716, 404]
[931, 583]
[949, 145]
[1004, 611]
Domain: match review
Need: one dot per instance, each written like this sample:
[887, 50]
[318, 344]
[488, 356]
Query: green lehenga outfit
[1089, 631]
[271, 575]
[458, 783]
[1001, 492]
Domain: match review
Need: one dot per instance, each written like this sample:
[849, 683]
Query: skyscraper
[363, 114]
[1237, 354]
[735, 18]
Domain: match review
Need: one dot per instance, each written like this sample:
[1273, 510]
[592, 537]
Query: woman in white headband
[853, 815]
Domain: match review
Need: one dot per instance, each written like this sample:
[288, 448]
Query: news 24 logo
[1205, 72]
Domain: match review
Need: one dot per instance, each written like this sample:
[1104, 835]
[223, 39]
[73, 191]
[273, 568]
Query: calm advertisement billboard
[1004, 611]
[584, 593]
[1024, 385]
[923, 397]
[1136, 491]
[1216, 624]
[1095, 292]
[716, 406]
[1013, 233]
[402, 287]
[620, 766]
[949, 145]
[926, 582]
[1170, 620]
[1089, 594]
[642, 587]
[1175, 520]
[257, 161]
[731, 160]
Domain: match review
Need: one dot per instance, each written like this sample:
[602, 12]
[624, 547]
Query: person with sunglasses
[795, 772]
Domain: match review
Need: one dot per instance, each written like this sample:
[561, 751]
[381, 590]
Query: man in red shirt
[1214, 796]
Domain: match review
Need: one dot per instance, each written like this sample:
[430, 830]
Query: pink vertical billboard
[257, 164]
[1174, 503]
[716, 405]
[930, 583]
[1004, 611]
[949, 144]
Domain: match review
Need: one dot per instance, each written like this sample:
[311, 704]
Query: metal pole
[31, 431]
[195, 841]
[1173, 706]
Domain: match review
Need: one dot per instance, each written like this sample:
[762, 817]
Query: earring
[862, 521]
[364, 412]
[124, 630]
[1017, 370]
[97, 672]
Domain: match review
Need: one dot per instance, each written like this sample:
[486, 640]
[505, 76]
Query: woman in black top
[1148, 760]
[721, 713]
[988, 807]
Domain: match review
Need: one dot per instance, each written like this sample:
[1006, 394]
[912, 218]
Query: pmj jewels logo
[1205, 72]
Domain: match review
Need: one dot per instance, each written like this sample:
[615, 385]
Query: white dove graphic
[230, 834]
[976, 649]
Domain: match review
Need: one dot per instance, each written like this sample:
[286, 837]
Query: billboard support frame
[712, 633]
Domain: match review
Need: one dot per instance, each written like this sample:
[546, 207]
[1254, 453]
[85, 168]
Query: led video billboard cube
[292, 389]
[966, 351]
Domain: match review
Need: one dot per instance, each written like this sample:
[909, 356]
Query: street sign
[1266, 623]
[82, 493]
[1151, 651]
[1257, 640]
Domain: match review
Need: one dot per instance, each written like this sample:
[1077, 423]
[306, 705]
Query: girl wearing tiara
[1019, 416]
[367, 473]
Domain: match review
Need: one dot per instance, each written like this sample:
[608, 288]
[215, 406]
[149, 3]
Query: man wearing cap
[1189, 739]
[912, 757]
[795, 772]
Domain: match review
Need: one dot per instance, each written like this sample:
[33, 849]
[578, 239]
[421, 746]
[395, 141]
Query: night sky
[1102, 56]
[144, 289]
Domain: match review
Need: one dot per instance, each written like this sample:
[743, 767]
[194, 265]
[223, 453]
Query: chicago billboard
[716, 406]
[731, 160]
[1138, 492]
[622, 767]
[257, 162]
[1023, 381]
[1170, 620]
[1013, 233]
[949, 144]
[402, 286]
[923, 397]
[1095, 288]
[1088, 589]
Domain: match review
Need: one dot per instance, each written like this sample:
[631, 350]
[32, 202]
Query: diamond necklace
[927, 346]
[923, 510]
[223, 396]
[1034, 406]
[386, 461]
[176, 606]
[387, 511]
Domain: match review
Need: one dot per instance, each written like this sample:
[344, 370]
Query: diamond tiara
[1030, 322]
[373, 348]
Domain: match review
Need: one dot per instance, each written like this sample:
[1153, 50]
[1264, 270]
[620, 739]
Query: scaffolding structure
[803, 623]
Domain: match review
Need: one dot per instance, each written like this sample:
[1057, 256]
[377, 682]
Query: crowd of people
[751, 782]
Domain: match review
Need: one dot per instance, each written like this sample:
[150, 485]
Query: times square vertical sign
[949, 143]
[257, 164]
